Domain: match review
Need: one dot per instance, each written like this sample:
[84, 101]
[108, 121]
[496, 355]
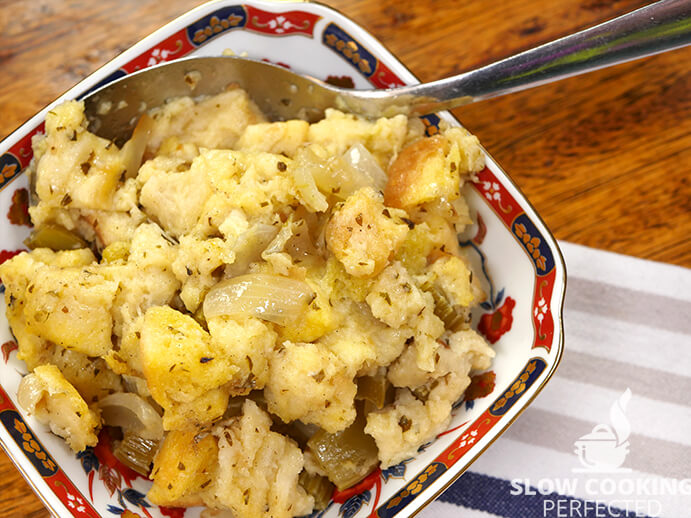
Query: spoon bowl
[281, 94]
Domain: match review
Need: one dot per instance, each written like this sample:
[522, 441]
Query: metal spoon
[281, 94]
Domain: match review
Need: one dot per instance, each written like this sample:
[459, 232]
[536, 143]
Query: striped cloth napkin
[625, 377]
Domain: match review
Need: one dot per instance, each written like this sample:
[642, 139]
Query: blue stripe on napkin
[493, 495]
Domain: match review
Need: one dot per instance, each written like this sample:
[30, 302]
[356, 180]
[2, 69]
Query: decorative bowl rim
[157, 36]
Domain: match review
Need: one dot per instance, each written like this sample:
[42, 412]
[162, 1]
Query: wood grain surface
[605, 158]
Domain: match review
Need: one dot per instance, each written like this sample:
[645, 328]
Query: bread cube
[71, 307]
[259, 469]
[184, 469]
[310, 383]
[363, 234]
[274, 137]
[433, 168]
[54, 401]
[181, 363]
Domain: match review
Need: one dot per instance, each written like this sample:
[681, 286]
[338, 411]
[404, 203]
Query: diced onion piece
[294, 239]
[347, 456]
[319, 487]
[359, 158]
[300, 245]
[249, 247]
[307, 161]
[136, 453]
[455, 317]
[335, 176]
[136, 385]
[308, 193]
[270, 297]
[133, 414]
[133, 150]
[55, 237]
[279, 241]
[31, 390]
[116, 251]
[375, 389]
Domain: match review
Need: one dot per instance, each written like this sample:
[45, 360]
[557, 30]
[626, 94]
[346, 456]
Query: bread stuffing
[257, 313]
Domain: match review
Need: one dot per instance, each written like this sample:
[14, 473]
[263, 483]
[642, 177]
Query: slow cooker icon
[605, 448]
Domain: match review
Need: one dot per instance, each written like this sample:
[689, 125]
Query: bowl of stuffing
[233, 316]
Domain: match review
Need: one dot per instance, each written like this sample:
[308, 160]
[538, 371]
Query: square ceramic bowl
[518, 258]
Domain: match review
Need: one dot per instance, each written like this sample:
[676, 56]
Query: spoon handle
[662, 26]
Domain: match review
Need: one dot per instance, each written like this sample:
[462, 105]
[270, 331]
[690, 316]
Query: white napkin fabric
[625, 376]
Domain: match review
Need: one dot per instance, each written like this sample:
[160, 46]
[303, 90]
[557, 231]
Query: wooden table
[605, 158]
